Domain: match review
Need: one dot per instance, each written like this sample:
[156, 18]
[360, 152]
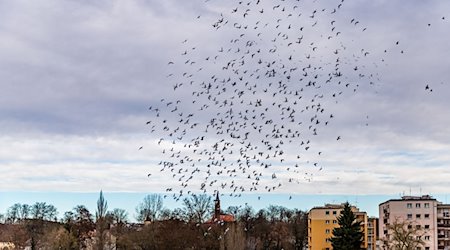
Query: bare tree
[245, 216]
[166, 214]
[43, 211]
[234, 210]
[198, 207]
[79, 222]
[59, 238]
[178, 214]
[404, 235]
[12, 214]
[274, 213]
[118, 216]
[82, 215]
[150, 208]
[18, 212]
[24, 211]
[299, 225]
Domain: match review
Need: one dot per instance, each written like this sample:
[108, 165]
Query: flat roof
[411, 198]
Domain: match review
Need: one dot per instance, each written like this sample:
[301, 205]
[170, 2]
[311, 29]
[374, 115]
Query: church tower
[218, 216]
[217, 207]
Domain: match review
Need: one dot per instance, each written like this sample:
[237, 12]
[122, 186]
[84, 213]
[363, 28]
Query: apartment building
[419, 212]
[322, 221]
[443, 224]
[372, 233]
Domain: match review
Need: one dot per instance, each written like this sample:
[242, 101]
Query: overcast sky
[78, 77]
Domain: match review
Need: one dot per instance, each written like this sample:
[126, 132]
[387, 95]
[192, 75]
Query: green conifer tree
[348, 236]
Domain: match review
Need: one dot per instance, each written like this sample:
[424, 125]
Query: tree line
[188, 227]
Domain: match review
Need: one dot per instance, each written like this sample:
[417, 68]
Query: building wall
[443, 223]
[322, 221]
[7, 246]
[418, 211]
[362, 217]
[372, 233]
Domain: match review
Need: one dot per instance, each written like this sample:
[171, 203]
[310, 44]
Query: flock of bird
[244, 118]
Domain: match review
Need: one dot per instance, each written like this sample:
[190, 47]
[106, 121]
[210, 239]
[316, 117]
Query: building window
[417, 216]
[418, 227]
[417, 205]
[426, 205]
[427, 226]
[327, 222]
[409, 205]
[409, 216]
[409, 226]
[334, 212]
[327, 212]
[334, 221]
[327, 231]
[427, 248]
[427, 216]
[427, 237]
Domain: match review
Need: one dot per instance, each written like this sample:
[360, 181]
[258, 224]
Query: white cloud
[80, 76]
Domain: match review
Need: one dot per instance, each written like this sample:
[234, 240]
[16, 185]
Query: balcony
[444, 215]
[445, 247]
[443, 237]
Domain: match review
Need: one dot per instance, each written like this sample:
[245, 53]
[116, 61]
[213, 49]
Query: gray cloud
[77, 72]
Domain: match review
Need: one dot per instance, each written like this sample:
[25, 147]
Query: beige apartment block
[417, 212]
[443, 224]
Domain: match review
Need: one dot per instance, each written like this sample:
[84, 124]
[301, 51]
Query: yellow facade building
[372, 233]
[322, 221]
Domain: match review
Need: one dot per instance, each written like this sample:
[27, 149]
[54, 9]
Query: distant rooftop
[413, 198]
[333, 206]
[423, 197]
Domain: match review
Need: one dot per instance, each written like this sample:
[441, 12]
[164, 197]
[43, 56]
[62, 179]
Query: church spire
[217, 207]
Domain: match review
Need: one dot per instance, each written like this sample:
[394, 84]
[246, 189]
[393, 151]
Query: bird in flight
[256, 100]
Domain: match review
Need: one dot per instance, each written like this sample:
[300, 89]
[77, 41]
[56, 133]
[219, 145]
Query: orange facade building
[322, 221]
